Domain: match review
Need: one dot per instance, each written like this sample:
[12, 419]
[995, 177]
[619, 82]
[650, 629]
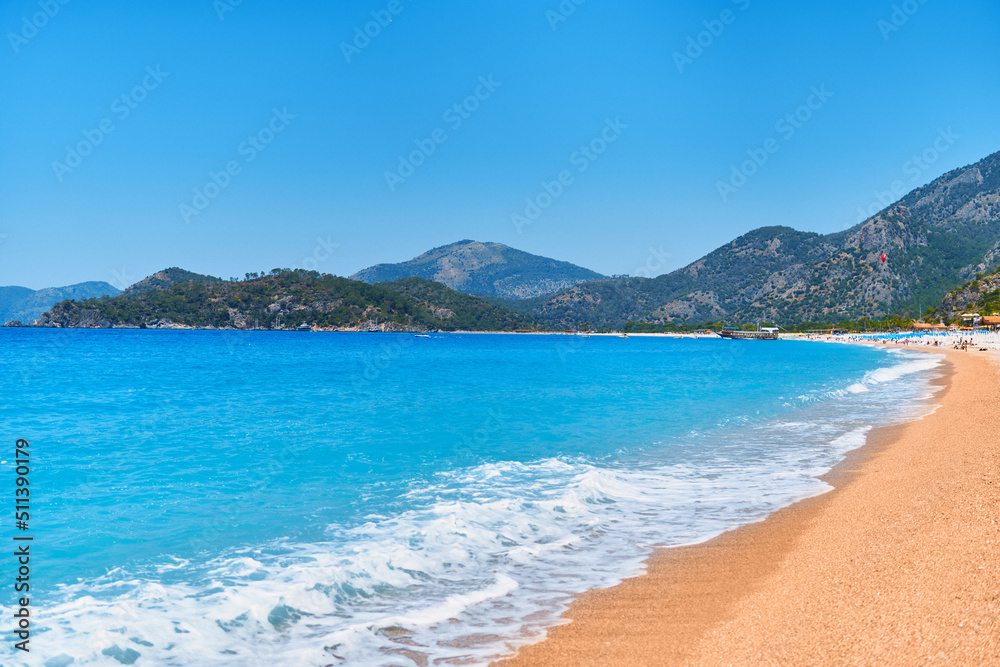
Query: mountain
[25, 305]
[490, 269]
[935, 238]
[166, 279]
[283, 300]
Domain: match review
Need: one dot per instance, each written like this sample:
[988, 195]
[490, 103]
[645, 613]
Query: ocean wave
[502, 547]
[907, 363]
[485, 558]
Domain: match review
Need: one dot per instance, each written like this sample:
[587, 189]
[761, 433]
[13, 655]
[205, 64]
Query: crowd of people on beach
[964, 340]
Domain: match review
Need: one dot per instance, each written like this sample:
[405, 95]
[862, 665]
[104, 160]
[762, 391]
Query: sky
[629, 137]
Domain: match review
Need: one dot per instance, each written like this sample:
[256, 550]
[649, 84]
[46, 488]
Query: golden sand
[899, 565]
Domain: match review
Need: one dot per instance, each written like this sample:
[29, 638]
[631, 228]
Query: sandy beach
[898, 565]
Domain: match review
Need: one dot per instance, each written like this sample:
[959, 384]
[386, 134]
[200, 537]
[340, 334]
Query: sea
[284, 498]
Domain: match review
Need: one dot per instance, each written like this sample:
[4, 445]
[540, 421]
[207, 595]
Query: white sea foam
[485, 561]
[550, 529]
[908, 363]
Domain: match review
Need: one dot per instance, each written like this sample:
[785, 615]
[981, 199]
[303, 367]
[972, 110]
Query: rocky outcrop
[82, 319]
[164, 324]
[979, 295]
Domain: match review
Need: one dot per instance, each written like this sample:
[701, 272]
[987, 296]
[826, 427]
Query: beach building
[976, 320]
[969, 319]
[924, 327]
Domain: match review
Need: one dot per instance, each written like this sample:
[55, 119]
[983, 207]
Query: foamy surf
[461, 579]
[470, 561]
[435, 581]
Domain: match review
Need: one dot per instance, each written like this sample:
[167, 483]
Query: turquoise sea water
[245, 498]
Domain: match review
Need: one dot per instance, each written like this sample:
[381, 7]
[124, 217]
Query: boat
[623, 335]
[421, 335]
[304, 327]
[765, 333]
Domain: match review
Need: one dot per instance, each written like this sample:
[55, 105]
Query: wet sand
[898, 565]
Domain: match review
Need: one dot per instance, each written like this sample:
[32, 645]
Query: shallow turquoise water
[221, 498]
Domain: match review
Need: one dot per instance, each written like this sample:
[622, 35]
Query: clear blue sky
[115, 214]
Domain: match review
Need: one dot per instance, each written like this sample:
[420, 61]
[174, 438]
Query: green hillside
[458, 311]
[168, 278]
[283, 300]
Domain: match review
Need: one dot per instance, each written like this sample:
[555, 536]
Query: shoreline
[185, 327]
[888, 567]
[991, 339]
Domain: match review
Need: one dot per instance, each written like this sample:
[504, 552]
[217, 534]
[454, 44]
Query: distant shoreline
[413, 332]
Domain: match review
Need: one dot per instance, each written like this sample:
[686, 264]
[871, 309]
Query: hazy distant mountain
[492, 269]
[168, 278]
[21, 303]
[935, 238]
[10, 300]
